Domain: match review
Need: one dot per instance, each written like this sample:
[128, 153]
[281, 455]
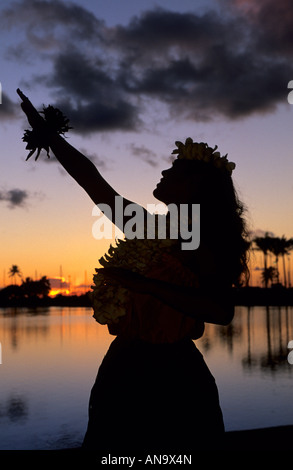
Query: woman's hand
[34, 118]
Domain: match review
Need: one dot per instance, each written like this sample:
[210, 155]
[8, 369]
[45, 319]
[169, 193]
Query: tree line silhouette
[28, 289]
[34, 293]
[279, 247]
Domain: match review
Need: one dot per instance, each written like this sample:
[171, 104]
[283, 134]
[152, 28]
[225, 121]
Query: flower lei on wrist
[202, 152]
[38, 139]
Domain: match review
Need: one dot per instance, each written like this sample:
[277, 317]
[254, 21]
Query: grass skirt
[154, 397]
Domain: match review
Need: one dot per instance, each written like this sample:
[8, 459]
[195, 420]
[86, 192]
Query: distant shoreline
[278, 296]
[245, 296]
[57, 301]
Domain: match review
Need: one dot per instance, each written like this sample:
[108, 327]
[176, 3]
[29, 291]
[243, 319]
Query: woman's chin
[156, 192]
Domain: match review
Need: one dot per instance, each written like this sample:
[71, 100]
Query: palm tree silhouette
[14, 271]
[269, 274]
[281, 247]
[288, 246]
[278, 246]
[264, 244]
[40, 288]
[43, 286]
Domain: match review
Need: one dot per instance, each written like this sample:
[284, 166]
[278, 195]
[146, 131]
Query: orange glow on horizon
[54, 292]
[61, 286]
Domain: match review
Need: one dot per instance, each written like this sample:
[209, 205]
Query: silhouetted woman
[153, 390]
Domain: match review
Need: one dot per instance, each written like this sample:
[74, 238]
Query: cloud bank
[8, 109]
[201, 66]
[14, 197]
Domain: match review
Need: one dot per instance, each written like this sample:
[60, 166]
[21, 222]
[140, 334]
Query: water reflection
[278, 333]
[19, 327]
[50, 359]
[15, 409]
[263, 333]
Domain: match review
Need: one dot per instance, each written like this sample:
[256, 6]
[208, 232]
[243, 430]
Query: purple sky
[133, 77]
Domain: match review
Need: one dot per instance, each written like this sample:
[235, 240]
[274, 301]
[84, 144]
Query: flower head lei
[202, 152]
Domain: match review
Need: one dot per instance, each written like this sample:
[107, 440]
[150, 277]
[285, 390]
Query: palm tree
[43, 286]
[264, 244]
[269, 274]
[14, 271]
[277, 248]
[28, 287]
[40, 288]
[281, 247]
[289, 248]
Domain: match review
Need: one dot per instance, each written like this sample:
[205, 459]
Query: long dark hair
[222, 219]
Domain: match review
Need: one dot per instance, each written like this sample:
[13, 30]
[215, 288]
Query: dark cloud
[270, 23]
[165, 33]
[88, 94]
[43, 20]
[144, 153]
[8, 109]
[81, 76]
[200, 65]
[210, 66]
[58, 283]
[14, 197]
[273, 22]
[261, 233]
[96, 116]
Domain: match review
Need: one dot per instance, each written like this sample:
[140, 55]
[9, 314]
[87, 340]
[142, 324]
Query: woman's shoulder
[204, 262]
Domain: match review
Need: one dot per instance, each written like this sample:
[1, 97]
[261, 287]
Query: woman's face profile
[177, 185]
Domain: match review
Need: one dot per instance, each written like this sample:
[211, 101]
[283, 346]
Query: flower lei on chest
[110, 300]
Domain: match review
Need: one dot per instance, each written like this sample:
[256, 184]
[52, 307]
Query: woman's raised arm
[77, 165]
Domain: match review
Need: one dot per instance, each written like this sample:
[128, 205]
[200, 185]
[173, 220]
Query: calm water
[50, 359]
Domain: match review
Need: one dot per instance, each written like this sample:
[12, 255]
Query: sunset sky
[133, 76]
